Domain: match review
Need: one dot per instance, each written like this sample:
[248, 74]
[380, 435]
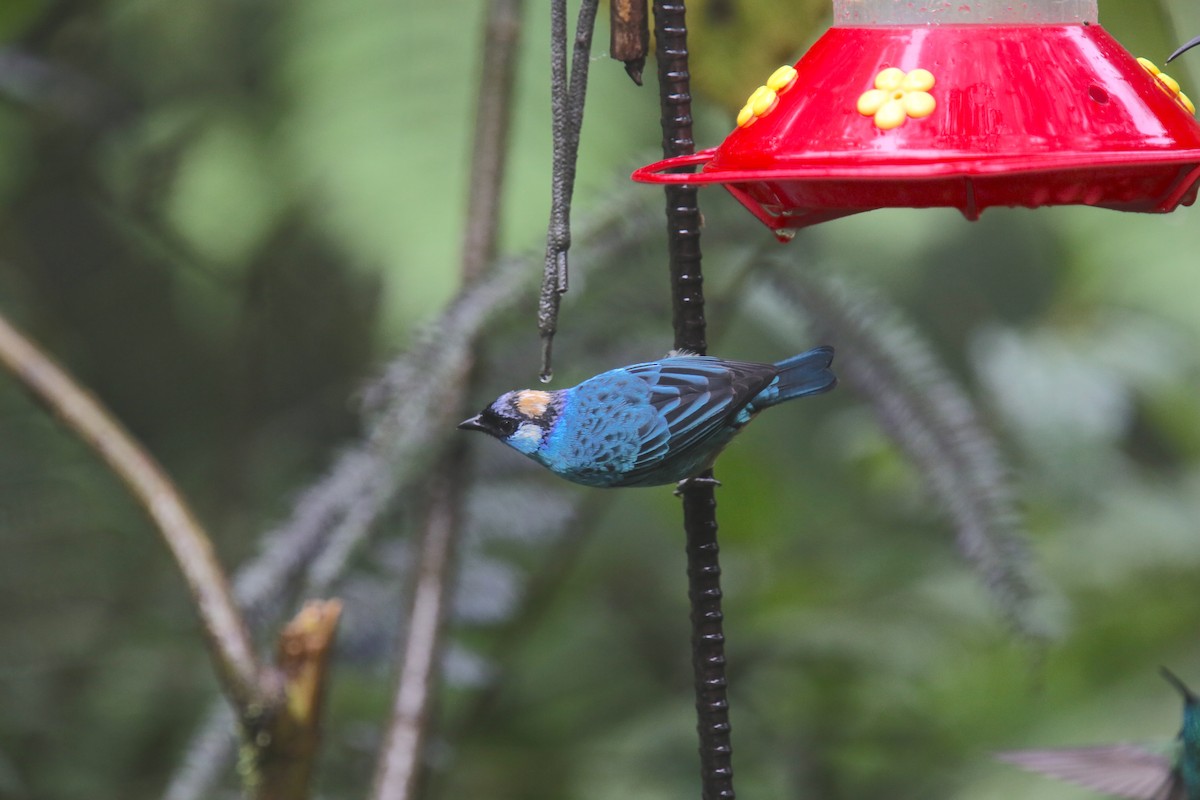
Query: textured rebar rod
[699, 502]
[683, 210]
[708, 641]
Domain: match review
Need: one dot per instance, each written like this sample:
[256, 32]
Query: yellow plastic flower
[897, 96]
[1168, 83]
[766, 97]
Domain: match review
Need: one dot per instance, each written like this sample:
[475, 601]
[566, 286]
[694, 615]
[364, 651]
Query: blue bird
[648, 424]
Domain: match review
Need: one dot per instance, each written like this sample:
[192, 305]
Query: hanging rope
[566, 107]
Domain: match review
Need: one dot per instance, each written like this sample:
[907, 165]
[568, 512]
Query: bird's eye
[503, 426]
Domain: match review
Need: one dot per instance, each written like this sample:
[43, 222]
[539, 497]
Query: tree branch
[303, 662]
[502, 36]
[276, 708]
[225, 632]
[400, 772]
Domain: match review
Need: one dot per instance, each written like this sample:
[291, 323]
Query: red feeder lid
[961, 115]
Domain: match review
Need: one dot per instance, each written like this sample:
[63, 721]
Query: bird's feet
[682, 486]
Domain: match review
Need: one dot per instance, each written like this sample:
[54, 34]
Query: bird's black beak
[1186, 46]
[472, 424]
[1172, 679]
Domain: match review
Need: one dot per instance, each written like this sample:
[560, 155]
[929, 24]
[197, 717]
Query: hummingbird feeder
[966, 104]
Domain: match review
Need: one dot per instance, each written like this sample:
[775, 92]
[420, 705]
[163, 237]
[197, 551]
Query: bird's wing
[1121, 770]
[693, 397]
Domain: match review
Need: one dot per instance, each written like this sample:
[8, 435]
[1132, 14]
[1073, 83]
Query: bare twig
[629, 38]
[276, 708]
[303, 662]
[400, 771]
[225, 632]
[490, 143]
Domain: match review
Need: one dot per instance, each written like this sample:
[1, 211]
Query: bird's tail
[805, 374]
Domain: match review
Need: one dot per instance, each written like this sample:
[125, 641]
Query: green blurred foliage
[260, 202]
[16, 15]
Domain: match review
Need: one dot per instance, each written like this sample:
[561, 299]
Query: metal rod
[699, 502]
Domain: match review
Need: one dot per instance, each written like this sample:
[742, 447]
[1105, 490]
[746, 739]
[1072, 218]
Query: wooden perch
[629, 35]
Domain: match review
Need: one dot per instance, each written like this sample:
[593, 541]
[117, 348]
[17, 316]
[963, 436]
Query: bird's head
[520, 419]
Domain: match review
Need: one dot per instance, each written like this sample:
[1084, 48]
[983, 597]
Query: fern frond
[931, 419]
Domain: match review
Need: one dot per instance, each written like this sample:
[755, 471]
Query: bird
[1188, 45]
[648, 424]
[1165, 771]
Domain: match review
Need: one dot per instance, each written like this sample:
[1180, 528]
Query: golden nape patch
[533, 403]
